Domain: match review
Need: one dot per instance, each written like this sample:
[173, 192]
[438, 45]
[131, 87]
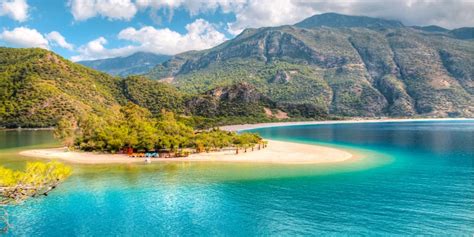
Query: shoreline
[244, 127]
[279, 124]
[277, 152]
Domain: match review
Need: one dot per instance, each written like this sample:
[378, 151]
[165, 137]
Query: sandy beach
[277, 152]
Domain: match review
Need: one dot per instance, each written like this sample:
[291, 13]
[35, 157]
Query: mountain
[431, 28]
[335, 20]
[137, 63]
[466, 33]
[240, 99]
[38, 87]
[262, 74]
[340, 65]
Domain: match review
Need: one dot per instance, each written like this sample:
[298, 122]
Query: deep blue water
[414, 178]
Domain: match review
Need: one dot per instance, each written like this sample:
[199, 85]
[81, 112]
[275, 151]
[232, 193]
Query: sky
[97, 29]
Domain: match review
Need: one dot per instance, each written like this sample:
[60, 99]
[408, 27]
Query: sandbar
[277, 152]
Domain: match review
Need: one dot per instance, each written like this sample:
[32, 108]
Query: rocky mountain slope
[340, 65]
[137, 63]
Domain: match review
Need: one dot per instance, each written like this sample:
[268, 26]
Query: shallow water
[413, 178]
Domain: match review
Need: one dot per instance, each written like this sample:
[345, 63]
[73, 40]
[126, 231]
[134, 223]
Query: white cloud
[110, 9]
[268, 13]
[258, 13]
[126, 9]
[24, 37]
[446, 13]
[200, 35]
[194, 7]
[15, 9]
[95, 50]
[55, 38]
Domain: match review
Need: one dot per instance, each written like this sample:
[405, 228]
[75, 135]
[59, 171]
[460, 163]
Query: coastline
[244, 127]
[279, 124]
[27, 129]
[277, 152]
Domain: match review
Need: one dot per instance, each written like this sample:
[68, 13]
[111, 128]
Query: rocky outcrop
[281, 77]
[241, 99]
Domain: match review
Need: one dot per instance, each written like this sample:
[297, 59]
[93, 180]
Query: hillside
[153, 95]
[239, 100]
[137, 63]
[38, 87]
[373, 67]
[236, 100]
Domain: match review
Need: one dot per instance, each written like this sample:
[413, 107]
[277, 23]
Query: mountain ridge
[295, 72]
[346, 71]
[137, 63]
[336, 20]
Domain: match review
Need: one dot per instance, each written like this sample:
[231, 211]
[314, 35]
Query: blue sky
[94, 29]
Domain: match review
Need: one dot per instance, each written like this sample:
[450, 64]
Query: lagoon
[413, 178]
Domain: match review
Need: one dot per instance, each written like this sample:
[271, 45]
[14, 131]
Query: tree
[245, 141]
[203, 141]
[141, 128]
[173, 133]
[37, 179]
[132, 126]
[65, 131]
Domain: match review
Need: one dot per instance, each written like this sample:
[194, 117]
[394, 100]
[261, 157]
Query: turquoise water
[413, 178]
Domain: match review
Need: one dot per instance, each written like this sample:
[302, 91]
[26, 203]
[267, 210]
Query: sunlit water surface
[409, 178]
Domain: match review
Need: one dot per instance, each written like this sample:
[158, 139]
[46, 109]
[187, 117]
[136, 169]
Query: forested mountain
[37, 87]
[334, 66]
[341, 65]
[137, 63]
[153, 95]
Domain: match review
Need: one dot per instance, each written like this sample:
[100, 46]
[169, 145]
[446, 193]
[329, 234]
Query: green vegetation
[39, 87]
[134, 127]
[217, 139]
[37, 179]
[153, 95]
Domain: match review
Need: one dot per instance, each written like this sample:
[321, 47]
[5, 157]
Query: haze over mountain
[342, 65]
[137, 63]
